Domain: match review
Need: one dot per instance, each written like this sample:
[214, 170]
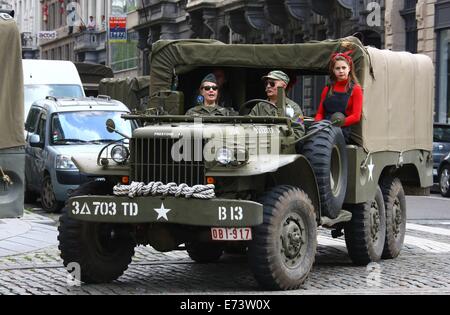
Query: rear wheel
[326, 151]
[203, 252]
[366, 232]
[444, 181]
[395, 205]
[283, 249]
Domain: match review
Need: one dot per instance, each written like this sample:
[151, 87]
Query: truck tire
[326, 151]
[395, 206]
[444, 181]
[366, 232]
[103, 251]
[283, 249]
[203, 252]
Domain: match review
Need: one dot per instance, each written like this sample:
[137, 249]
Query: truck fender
[300, 174]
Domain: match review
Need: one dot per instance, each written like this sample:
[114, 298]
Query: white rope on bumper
[158, 188]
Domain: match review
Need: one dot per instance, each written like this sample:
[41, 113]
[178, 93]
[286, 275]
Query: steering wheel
[246, 104]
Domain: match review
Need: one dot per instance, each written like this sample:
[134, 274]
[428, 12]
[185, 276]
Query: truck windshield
[87, 127]
[40, 91]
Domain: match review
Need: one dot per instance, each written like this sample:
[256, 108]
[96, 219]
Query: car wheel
[444, 181]
[48, 198]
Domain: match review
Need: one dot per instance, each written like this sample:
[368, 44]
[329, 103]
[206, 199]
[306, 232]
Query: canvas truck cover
[11, 86]
[398, 86]
[91, 73]
[129, 91]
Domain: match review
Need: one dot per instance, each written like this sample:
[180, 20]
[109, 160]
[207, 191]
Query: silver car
[55, 130]
[441, 146]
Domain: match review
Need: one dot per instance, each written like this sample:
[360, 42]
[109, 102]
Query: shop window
[409, 15]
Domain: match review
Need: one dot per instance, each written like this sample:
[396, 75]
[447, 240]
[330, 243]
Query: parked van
[44, 78]
[12, 142]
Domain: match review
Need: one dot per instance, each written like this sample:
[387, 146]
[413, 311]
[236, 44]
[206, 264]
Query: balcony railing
[29, 41]
[90, 40]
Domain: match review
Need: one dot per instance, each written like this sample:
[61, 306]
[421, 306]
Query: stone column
[395, 25]
[426, 36]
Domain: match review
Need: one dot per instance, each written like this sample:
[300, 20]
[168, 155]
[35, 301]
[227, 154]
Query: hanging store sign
[47, 35]
[117, 29]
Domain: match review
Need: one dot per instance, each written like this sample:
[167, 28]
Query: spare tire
[328, 157]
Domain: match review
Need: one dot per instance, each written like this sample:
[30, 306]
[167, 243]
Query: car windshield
[87, 127]
[441, 134]
[36, 92]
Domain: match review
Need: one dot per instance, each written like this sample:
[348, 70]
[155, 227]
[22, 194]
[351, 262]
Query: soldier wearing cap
[208, 95]
[272, 81]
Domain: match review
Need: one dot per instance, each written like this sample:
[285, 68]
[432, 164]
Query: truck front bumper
[195, 212]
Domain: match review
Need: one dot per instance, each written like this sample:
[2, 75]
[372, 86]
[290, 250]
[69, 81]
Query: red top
[354, 107]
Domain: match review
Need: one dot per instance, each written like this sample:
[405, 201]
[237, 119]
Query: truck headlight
[120, 154]
[225, 156]
[64, 162]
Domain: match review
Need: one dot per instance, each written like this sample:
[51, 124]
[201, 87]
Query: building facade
[258, 21]
[27, 16]
[418, 26]
[442, 32]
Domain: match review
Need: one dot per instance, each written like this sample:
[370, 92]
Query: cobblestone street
[422, 268]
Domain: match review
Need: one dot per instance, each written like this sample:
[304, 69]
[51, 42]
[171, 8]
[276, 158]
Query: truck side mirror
[110, 125]
[35, 141]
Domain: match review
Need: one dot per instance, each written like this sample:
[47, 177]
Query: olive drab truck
[256, 185]
[12, 142]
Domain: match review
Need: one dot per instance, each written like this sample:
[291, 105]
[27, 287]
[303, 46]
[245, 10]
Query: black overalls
[338, 102]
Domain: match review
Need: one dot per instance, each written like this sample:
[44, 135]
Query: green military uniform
[203, 110]
[292, 110]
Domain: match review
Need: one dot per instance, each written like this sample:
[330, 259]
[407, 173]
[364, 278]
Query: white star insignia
[371, 167]
[162, 212]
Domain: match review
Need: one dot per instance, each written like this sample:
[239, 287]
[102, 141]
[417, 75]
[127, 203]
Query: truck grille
[151, 160]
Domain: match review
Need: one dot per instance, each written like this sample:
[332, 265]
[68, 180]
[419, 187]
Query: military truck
[218, 183]
[12, 142]
[132, 91]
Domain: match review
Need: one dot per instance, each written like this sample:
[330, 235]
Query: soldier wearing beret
[209, 92]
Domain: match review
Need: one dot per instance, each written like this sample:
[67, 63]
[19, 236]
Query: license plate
[231, 234]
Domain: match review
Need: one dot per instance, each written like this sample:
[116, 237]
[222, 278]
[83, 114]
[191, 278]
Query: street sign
[117, 29]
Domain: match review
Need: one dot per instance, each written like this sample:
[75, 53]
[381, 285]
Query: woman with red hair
[344, 94]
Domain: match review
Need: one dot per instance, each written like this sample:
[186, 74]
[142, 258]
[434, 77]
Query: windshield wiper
[69, 140]
[102, 140]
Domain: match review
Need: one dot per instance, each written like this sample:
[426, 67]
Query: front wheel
[283, 249]
[366, 232]
[444, 181]
[203, 252]
[48, 198]
[103, 251]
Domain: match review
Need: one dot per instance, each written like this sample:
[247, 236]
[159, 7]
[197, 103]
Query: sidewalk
[30, 233]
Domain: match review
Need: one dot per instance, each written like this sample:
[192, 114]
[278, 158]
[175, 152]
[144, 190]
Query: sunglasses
[209, 88]
[270, 83]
